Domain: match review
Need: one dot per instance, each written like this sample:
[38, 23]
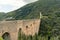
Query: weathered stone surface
[28, 27]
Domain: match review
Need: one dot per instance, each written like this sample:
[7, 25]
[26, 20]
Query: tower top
[40, 15]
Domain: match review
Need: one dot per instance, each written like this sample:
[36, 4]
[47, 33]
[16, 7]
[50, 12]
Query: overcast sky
[10, 5]
[28, 1]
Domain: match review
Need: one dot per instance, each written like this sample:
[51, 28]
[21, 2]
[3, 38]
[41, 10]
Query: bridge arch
[19, 33]
[6, 36]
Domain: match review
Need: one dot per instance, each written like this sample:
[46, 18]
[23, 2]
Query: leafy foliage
[50, 9]
[1, 38]
[2, 16]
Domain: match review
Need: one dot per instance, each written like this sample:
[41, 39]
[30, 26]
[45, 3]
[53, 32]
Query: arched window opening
[20, 29]
[26, 26]
[6, 36]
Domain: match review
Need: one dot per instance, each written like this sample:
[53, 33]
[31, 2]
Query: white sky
[10, 5]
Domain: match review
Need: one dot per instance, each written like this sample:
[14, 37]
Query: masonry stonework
[28, 27]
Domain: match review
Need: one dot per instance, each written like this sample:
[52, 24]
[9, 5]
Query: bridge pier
[14, 36]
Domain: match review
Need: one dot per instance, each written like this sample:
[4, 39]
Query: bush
[1, 38]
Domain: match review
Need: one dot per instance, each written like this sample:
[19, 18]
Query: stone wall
[28, 27]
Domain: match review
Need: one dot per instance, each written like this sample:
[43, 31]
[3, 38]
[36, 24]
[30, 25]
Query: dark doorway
[48, 37]
[6, 36]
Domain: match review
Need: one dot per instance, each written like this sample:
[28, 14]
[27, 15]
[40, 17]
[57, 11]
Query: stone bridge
[11, 28]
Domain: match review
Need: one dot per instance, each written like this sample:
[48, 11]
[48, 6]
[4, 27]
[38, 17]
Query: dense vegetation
[50, 9]
[33, 10]
[50, 22]
[1, 38]
[2, 16]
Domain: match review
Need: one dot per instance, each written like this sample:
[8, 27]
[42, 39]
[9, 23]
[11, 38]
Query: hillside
[2, 16]
[33, 10]
[50, 10]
